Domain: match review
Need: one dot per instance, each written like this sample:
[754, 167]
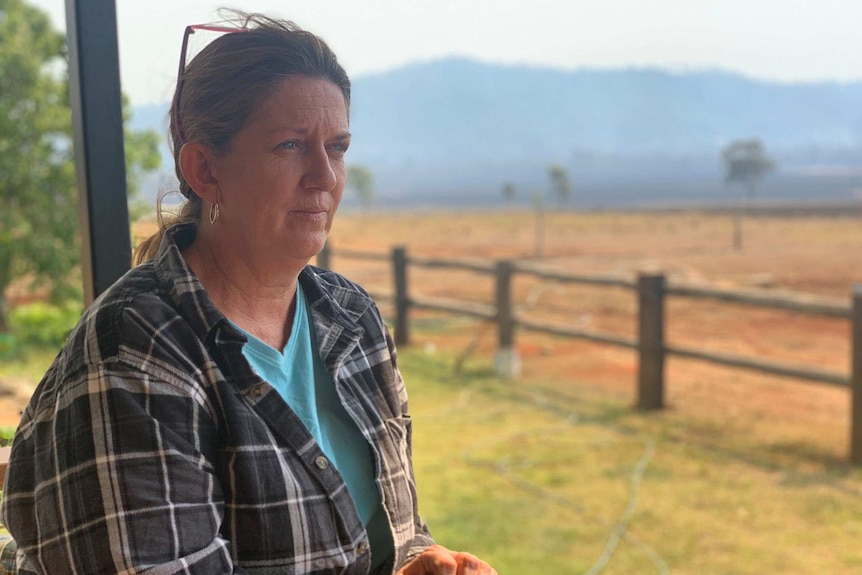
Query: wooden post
[402, 299]
[506, 361]
[324, 257]
[650, 341]
[856, 377]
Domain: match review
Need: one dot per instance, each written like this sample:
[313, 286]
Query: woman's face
[282, 181]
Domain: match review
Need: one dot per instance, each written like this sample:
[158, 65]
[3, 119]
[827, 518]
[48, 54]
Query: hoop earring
[214, 213]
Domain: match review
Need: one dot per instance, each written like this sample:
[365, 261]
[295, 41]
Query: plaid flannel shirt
[150, 446]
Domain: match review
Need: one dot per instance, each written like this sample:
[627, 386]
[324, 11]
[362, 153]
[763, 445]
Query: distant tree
[561, 187]
[560, 183]
[509, 191]
[539, 207]
[361, 181]
[142, 157]
[746, 164]
[39, 237]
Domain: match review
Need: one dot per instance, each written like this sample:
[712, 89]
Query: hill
[454, 130]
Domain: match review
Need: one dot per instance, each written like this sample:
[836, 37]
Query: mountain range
[454, 131]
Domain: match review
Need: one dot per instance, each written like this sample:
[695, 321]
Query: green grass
[534, 477]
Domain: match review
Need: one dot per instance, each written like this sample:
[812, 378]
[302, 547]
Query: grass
[536, 476]
[557, 476]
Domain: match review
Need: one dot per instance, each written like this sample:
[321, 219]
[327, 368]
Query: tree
[39, 237]
[361, 180]
[509, 191]
[745, 163]
[142, 154]
[560, 183]
[539, 207]
[561, 186]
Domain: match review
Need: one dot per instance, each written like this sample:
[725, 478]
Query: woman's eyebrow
[304, 131]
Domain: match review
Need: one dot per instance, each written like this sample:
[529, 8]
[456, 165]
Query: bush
[7, 434]
[8, 346]
[42, 324]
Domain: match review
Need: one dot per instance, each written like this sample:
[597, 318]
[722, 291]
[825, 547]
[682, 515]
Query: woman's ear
[196, 164]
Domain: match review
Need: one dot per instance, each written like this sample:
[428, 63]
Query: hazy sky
[787, 40]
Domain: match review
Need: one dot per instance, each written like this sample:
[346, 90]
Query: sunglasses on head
[182, 70]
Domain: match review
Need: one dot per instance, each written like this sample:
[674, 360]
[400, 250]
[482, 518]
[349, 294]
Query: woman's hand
[437, 560]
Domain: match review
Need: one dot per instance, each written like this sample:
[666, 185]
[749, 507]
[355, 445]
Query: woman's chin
[306, 247]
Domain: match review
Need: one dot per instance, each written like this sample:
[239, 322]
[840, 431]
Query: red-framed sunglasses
[181, 74]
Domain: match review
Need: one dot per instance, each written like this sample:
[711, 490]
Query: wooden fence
[651, 291]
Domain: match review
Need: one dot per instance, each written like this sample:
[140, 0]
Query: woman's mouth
[312, 215]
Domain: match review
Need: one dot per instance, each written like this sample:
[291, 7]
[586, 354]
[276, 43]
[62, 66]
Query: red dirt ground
[817, 255]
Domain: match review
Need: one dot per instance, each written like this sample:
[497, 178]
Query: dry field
[815, 255]
[818, 255]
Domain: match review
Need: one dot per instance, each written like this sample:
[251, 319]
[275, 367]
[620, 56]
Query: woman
[225, 408]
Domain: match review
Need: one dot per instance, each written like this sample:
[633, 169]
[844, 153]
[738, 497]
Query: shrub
[42, 324]
[8, 346]
[7, 434]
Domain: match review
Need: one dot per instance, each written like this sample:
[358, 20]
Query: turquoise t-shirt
[301, 379]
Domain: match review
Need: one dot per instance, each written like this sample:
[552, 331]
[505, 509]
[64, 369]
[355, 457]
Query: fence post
[856, 377]
[323, 257]
[650, 341]
[402, 299]
[506, 361]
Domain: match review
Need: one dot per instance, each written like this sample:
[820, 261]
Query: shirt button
[321, 462]
[362, 548]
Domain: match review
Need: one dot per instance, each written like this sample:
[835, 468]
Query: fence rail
[774, 368]
[651, 291]
[811, 305]
[472, 309]
[599, 280]
[451, 264]
[591, 335]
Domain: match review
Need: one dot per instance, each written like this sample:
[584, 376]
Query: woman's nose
[319, 172]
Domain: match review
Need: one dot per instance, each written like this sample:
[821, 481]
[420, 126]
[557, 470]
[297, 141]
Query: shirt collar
[184, 287]
[342, 305]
